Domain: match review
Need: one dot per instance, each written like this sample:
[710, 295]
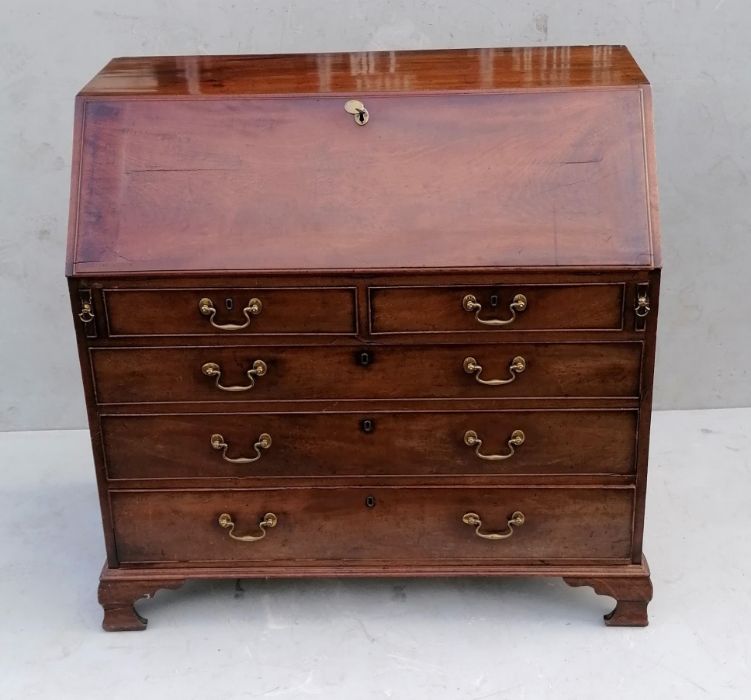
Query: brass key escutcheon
[357, 108]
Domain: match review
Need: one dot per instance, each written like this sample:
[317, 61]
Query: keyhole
[228, 303]
[364, 357]
[494, 300]
[370, 501]
[367, 425]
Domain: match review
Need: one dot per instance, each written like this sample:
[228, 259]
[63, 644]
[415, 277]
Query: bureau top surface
[484, 158]
[373, 71]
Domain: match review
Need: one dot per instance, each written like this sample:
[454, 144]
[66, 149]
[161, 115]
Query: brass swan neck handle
[269, 520]
[212, 369]
[517, 519]
[472, 439]
[263, 443]
[515, 368]
[518, 304]
[207, 308]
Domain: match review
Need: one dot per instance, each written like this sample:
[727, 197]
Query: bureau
[372, 314]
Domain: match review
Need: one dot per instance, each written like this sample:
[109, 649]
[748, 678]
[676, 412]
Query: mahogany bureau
[373, 314]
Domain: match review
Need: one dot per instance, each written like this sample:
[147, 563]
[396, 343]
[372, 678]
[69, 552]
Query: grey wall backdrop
[696, 53]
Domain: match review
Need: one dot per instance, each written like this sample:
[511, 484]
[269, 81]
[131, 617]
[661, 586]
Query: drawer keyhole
[229, 304]
[367, 425]
[370, 501]
[494, 300]
[364, 358]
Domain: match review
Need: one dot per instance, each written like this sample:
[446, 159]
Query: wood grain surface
[529, 179]
[382, 71]
[404, 525]
[313, 373]
[326, 445]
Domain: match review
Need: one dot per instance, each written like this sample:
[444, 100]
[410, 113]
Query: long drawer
[352, 444]
[407, 525]
[245, 373]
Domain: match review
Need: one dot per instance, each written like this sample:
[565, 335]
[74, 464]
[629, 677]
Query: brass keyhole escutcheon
[357, 108]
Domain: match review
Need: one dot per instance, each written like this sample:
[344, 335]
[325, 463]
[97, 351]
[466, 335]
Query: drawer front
[235, 311]
[172, 374]
[352, 444]
[360, 524]
[504, 308]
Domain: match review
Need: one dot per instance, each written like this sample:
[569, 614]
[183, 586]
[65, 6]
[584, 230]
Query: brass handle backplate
[212, 369]
[472, 439]
[518, 303]
[263, 443]
[516, 520]
[357, 108]
[269, 520]
[516, 367]
[207, 308]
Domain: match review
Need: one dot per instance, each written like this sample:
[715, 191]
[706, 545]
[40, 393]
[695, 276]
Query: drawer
[371, 444]
[170, 374]
[392, 524]
[504, 308]
[230, 311]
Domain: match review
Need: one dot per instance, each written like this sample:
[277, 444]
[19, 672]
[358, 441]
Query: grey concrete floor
[470, 639]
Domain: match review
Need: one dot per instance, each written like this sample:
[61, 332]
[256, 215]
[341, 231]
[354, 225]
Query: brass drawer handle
[517, 366]
[642, 305]
[212, 369]
[518, 303]
[357, 108]
[472, 439]
[516, 520]
[269, 520]
[207, 308]
[87, 312]
[263, 443]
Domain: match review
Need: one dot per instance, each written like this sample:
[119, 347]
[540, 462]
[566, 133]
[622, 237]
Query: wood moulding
[119, 589]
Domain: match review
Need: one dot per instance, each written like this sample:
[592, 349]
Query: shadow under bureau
[378, 314]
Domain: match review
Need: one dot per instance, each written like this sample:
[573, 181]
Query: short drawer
[230, 311]
[263, 373]
[504, 308]
[253, 445]
[392, 524]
